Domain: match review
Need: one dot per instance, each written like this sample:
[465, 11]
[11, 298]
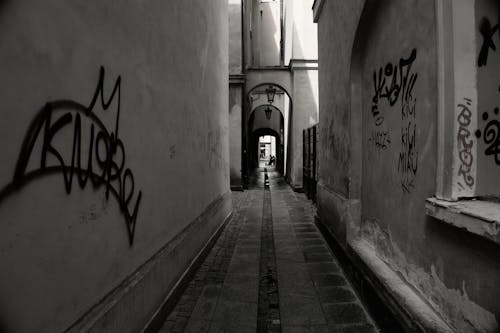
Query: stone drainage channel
[268, 319]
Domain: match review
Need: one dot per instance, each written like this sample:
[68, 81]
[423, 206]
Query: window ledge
[476, 216]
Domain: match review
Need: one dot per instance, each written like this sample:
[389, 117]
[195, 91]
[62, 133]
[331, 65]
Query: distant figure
[271, 160]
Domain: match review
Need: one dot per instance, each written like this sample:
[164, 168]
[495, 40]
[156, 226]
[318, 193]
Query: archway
[262, 119]
[278, 125]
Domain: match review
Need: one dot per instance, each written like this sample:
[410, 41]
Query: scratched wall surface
[488, 93]
[70, 235]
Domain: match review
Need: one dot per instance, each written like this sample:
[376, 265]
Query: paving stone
[308, 235]
[244, 267]
[243, 313]
[289, 271]
[197, 326]
[300, 310]
[306, 329]
[226, 327]
[336, 295]
[316, 249]
[249, 242]
[180, 324]
[344, 313]
[316, 241]
[204, 309]
[328, 280]
[323, 268]
[356, 328]
[167, 327]
[322, 258]
[239, 292]
[299, 295]
[297, 288]
[302, 224]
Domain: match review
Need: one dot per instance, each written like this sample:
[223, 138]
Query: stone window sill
[476, 216]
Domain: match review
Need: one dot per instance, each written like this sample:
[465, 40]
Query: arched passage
[259, 125]
[256, 123]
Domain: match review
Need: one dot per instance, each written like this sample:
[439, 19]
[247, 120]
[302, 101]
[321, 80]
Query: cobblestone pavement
[292, 284]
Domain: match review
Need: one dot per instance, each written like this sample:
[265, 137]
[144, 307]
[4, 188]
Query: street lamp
[270, 92]
[268, 113]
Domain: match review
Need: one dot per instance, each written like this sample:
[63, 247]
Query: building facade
[272, 45]
[115, 173]
[407, 167]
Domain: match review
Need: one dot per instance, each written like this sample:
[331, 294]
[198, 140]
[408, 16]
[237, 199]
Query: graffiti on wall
[394, 83]
[408, 156]
[465, 143]
[491, 135]
[381, 139]
[487, 32]
[100, 161]
[490, 132]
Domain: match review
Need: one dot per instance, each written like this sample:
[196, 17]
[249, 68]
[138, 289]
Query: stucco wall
[235, 37]
[334, 91]
[235, 119]
[62, 252]
[488, 165]
[266, 33]
[305, 31]
[305, 114]
[383, 132]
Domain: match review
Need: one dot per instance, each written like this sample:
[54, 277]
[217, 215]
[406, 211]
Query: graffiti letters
[490, 133]
[491, 136]
[465, 143]
[381, 139]
[408, 157]
[487, 31]
[394, 82]
[100, 161]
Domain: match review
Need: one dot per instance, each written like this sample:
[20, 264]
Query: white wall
[60, 252]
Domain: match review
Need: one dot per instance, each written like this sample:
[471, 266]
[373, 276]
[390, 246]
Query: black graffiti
[491, 136]
[465, 143]
[105, 153]
[487, 32]
[408, 157]
[394, 82]
[381, 139]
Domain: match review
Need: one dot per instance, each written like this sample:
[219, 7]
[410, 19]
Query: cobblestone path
[270, 271]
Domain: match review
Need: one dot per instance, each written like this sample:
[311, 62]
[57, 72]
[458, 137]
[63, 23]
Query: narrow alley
[270, 271]
[228, 166]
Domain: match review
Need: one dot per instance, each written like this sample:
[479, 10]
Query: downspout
[244, 163]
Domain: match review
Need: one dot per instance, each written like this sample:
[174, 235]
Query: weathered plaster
[453, 305]
[476, 216]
